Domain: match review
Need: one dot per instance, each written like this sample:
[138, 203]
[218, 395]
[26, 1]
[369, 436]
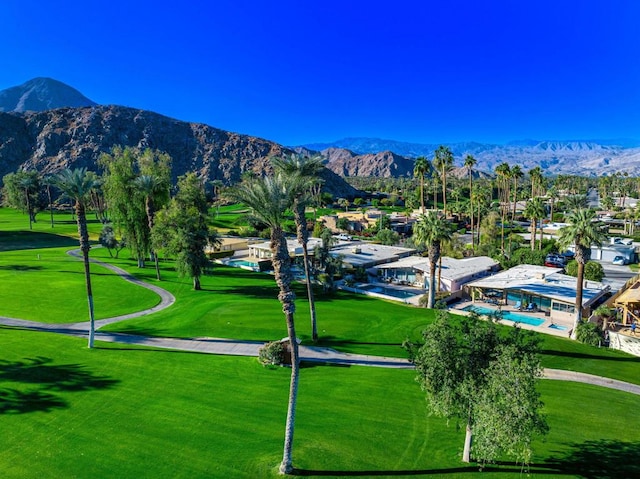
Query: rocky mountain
[52, 140]
[554, 157]
[40, 94]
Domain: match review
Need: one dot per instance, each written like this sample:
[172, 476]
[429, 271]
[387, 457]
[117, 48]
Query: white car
[344, 237]
[619, 260]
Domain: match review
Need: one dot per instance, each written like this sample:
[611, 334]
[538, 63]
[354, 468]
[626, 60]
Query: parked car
[555, 261]
[344, 237]
[620, 260]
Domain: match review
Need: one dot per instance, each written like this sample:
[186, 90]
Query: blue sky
[310, 71]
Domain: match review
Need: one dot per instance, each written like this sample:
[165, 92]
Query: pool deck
[543, 328]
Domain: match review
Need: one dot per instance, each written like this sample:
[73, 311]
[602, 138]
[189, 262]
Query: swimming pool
[240, 263]
[506, 315]
[395, 293]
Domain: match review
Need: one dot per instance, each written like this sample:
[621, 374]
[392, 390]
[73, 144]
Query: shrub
[589, 333]
[593, 270]
[271, 354]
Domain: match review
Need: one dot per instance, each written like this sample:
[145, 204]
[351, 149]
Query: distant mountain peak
[41, 94]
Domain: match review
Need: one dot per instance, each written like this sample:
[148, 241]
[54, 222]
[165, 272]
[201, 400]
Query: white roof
[452, 268]
[369, 254]
[294, 247]
[541, 281]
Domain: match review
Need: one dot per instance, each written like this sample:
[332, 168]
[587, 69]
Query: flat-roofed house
[455, 272]
[546, 287]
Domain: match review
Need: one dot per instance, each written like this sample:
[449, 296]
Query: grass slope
[110, 412]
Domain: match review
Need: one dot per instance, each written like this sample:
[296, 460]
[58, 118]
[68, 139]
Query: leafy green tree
[582, 232]
[343, 224]
[303, 174]
[23, 191]
[182, 229]
[77, 185]
[127, 198]
[471, 373]
[430, 231]
[155, 191]
[109, 240]
[268, 199]
[387, 237]
[593, 270]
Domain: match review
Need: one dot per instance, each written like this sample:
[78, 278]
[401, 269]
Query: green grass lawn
[67, 411]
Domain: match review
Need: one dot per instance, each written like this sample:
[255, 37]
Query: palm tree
[503, 172]
[431, 231]
[469, 163]
[29, 183]
[150, 186]
[582, 232]
[48, 182]
[77, 184]
[535, 175]
[268, 198]
[443, 161]
[421, 168]
[303, 174]
[534, 211]
[516, 174]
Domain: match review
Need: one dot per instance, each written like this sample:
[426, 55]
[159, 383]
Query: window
[563, 308]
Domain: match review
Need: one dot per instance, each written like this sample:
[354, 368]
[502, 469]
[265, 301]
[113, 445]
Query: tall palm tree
[77, 184]
[582, 231]
[503, 172]
[302, 172]
[443, 161]
[430, 231]
[534, 211]
[150, 186]
[421, 168]
[469, 163]
[268, 199]
[516, 174]
[535, 175]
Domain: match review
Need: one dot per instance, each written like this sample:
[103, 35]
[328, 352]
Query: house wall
[623, 342]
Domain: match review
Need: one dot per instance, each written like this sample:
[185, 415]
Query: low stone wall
[624, 342]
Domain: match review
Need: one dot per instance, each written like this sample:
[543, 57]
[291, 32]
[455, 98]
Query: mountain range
[579, 157]
[47, 125]
[50, 140]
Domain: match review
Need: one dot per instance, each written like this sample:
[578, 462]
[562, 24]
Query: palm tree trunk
[422, 192]
[282, 272]
[533, 234]
[432, 283]
[444, 192]
[50, 204]
[150, 216]
[541, 235]
[438, 283]
[312, 304]
[196, 283]
[26, 193]
[84, 248]
[579, 285]
[473, 244]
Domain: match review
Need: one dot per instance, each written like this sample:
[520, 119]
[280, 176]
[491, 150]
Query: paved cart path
[250, 348]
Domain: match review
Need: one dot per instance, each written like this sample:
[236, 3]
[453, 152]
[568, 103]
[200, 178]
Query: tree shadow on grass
[20, 267]
[569, 354]
[602, 459]
[50, 378]
[20, 240]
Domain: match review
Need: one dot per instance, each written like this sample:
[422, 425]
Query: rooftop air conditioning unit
[356, 250]
[539, 276]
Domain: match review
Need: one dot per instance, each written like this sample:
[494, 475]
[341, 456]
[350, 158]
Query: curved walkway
[251, 348]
